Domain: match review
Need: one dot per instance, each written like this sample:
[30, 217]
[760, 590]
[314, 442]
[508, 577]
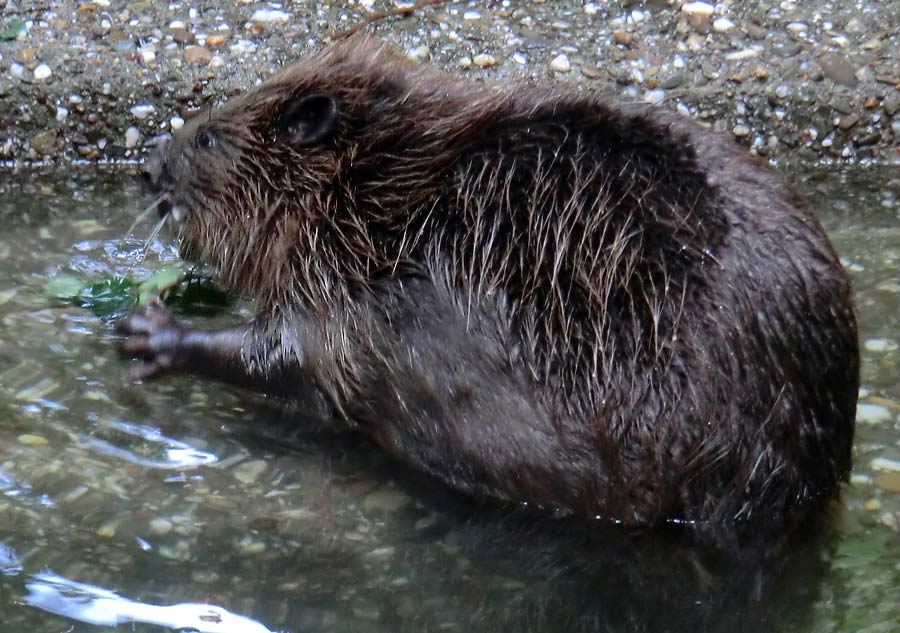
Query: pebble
[176, 123]
[270, 16]
[17, 70]
[142, 111]
[723, 25]
[29, 439]
[161, 526]
[654, 96]
[197, 55]
[746, 53]
[419, 53]
[132, 136]
[44, 143]
[471, 15]
[895, 128]
[42, 72]
[868, 413]
[561, 63]
[248, 472]
[385, 500]
[878, 344]
[148, 54]
[885, 464]
[889, 482]
[698, 8]
[839, 70]
[741, 131]
[847, 122]
[62, 113]
[484, 60]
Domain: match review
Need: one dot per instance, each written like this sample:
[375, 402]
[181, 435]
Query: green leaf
[111, 296]
[12, 30]
[159, 284]
[64, 287]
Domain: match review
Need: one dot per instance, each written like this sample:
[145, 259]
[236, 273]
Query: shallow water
[118, 500]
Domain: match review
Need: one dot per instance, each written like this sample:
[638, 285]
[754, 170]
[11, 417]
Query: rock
[270, 16]
[142, 111]
[561, 63]
[248, 472]
[889, 482]
[623, 37]
[160, 526]
[132, 136]
[44, 143]
[197, 55]
[723, 25]
[419, 53]
[42, 72]
[868, 413]
[847, 122]
[891, 105]
[741, 131]
[183, 36]
[698, 8]
[216, 41]
[484, 60]
[386, 500]
[29, 439]
[839, 70]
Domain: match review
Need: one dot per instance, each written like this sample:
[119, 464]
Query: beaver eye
[206, 139]
[307, 121]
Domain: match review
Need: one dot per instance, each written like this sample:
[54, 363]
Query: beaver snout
[155, 176]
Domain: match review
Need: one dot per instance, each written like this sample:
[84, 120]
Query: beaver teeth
[179, 213]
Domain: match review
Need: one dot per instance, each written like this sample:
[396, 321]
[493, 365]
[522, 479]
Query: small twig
[381, 15]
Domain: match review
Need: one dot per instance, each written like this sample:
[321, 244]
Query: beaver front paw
[155, 338]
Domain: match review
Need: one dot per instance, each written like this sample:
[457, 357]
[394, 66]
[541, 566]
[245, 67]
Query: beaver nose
[154, 171]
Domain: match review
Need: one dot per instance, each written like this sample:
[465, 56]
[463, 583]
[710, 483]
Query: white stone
[698, 8]
[747, 53]
[561, 63]
[243, 46]
[142, 111]
[484, 60]
[42, 72]
[868, 413]
[886, 464]
[270, 16]
[148, 54]
[722, 25]
[471, 15]
[654, 96]
[419, 53]
[132, 135]
[61, 114]
[176, 122]
[590, 8]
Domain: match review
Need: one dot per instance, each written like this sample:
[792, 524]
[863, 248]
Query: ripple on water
[144, 445]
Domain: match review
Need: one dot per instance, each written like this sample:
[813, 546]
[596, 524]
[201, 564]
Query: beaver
[533, 294]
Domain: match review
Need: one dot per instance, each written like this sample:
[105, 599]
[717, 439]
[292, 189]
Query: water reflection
[143, 442]
[95, 605]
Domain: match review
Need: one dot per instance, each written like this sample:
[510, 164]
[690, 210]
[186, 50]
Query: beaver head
[286, 169]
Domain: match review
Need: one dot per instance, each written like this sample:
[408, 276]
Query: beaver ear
[307, 121]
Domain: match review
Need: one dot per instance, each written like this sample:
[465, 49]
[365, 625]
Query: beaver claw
[154, 337]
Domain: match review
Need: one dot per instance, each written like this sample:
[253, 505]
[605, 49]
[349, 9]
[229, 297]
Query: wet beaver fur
[532, 294]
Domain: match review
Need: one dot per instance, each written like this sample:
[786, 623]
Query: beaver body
[534, 295]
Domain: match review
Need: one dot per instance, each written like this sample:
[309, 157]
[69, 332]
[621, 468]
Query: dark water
[145, 504]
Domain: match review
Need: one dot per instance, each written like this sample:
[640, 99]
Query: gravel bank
[802, 80]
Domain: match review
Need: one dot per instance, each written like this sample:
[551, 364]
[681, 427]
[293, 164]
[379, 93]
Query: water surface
[119, 502]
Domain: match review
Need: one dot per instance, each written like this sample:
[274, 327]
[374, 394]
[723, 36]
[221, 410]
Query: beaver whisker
[143, 214]
[153, 235]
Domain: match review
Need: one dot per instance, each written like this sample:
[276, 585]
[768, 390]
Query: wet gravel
[93, 80]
